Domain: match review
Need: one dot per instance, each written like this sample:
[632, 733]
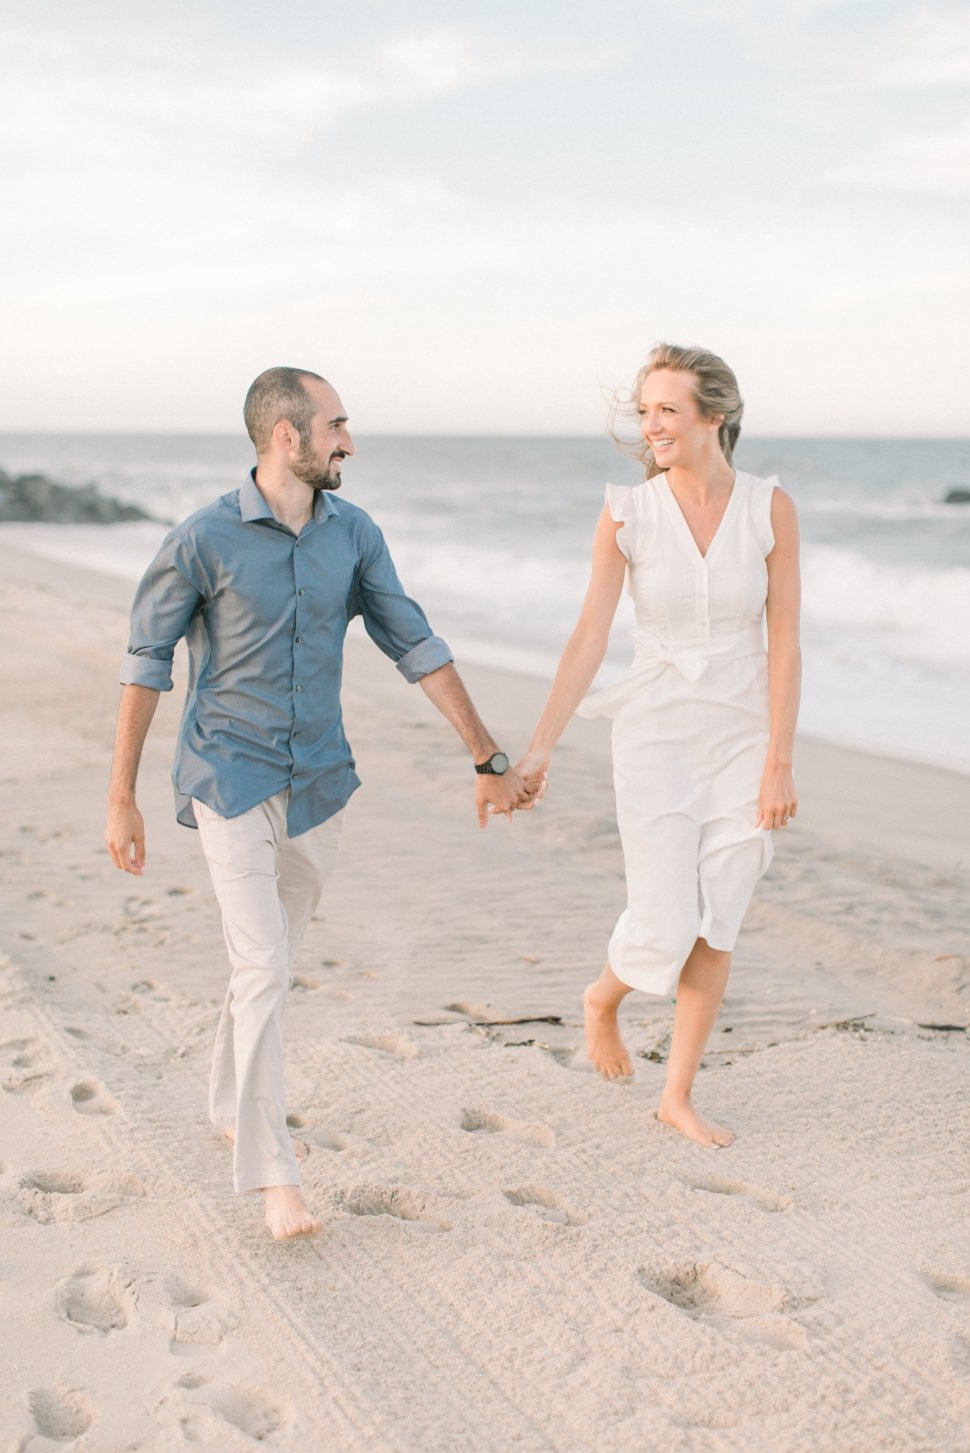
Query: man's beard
[308, 466]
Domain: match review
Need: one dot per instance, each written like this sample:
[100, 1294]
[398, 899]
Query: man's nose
[348, 445]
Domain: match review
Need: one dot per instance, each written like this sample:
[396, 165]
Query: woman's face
[670, 420]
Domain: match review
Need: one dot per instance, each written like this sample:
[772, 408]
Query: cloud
[127, 156]
[777, 13]
[924, 48]
[94, 79]
[930, 162]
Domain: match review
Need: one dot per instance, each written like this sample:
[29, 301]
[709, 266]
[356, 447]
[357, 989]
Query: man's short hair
[278, 394]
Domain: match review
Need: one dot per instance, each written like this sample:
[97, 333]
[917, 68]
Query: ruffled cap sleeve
[622, 505]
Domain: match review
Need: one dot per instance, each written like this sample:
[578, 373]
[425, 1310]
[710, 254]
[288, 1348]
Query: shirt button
[298, 640]
[296, 733]
[301, 591]
[299, 688]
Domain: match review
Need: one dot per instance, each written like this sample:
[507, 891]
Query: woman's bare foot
[604, 1047]
[301, 1148]
[681, 1115]
[287, 1213]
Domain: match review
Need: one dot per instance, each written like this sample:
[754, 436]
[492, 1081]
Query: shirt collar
[252, 505]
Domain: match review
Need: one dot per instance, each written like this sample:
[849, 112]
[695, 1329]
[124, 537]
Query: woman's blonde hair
[715, 392]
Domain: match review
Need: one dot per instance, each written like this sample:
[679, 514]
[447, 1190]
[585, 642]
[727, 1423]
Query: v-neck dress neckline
[680, 520]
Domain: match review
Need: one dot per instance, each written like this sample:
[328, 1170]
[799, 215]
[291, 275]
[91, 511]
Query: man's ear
[285, 436]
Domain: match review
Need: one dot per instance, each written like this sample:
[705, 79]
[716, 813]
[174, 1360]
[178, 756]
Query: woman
[704, 722]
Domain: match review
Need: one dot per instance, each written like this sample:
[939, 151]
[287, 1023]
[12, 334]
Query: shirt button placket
[296, 729]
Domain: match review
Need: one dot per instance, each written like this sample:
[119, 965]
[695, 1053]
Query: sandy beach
[516, 1255]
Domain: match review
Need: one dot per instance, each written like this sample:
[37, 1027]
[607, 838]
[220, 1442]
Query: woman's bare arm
[778, 800]
[585, 649]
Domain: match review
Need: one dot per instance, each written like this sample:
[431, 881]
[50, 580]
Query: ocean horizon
[492, 535]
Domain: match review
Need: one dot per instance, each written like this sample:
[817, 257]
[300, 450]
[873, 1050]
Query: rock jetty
[35, 497]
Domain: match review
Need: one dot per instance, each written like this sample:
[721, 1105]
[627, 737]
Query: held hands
[504, 794]
[528, 777]
[534, 767]
[124, 837]
[777, 799]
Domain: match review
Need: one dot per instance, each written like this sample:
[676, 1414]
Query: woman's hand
[777, 799]
[534, 770]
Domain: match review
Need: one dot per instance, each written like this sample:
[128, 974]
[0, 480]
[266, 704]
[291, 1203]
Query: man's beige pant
[267, 885]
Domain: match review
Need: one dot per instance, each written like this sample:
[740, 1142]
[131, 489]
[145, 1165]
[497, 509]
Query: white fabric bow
[654, 656]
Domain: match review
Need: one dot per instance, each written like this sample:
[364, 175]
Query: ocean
[492, 536]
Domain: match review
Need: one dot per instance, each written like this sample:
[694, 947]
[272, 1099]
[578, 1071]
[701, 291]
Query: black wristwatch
[496, 766]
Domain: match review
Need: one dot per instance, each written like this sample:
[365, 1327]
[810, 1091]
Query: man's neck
[289, 498]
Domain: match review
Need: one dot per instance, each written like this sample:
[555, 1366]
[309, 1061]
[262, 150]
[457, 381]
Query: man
[262, 585]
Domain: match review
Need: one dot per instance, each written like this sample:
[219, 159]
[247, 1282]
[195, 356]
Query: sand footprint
[473, 1010]
[148, 989]
[143, 910]
[303, 984]
[58, 1196]
[397, 1046]
[200, 1319]
[478, 1121]
[60, 1413]
[752, 1195]
[202, 1408]
[724, 1298]
[109, 1046]
[90, 1098]
[91, 1299]
[141, 990]
[544, 1204]
[25, 1058]
[948, 1286]
[328, 1139]
[395, 1201]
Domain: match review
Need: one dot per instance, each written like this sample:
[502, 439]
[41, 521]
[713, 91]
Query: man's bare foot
[681, 1115]
[287, 1213]
[301, 1148]
[604, 1047]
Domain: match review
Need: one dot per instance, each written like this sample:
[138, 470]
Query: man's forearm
[135, 712]
[445, 689]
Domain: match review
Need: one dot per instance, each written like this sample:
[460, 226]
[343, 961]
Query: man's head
[295, 418]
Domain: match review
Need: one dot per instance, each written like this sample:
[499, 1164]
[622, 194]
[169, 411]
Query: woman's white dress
[690, 729]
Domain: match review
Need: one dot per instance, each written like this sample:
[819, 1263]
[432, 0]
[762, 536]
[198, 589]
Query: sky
[478, 218]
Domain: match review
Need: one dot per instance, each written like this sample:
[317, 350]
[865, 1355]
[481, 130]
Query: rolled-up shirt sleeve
[166, 600]
[394, 621]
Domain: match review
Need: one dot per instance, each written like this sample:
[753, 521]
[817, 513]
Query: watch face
[500, 763]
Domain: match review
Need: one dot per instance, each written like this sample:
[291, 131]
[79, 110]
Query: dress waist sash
[654, 656]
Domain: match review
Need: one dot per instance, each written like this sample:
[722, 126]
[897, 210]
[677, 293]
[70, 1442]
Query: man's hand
[501, 795]
[124, 831]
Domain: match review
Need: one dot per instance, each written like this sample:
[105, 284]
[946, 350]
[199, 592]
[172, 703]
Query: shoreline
[521, 1240]
[89, 582]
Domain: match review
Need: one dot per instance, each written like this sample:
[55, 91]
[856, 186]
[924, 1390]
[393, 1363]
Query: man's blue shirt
[264, 613]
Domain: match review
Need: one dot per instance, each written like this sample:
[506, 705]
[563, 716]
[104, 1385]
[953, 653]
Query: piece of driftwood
[491, 1023]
